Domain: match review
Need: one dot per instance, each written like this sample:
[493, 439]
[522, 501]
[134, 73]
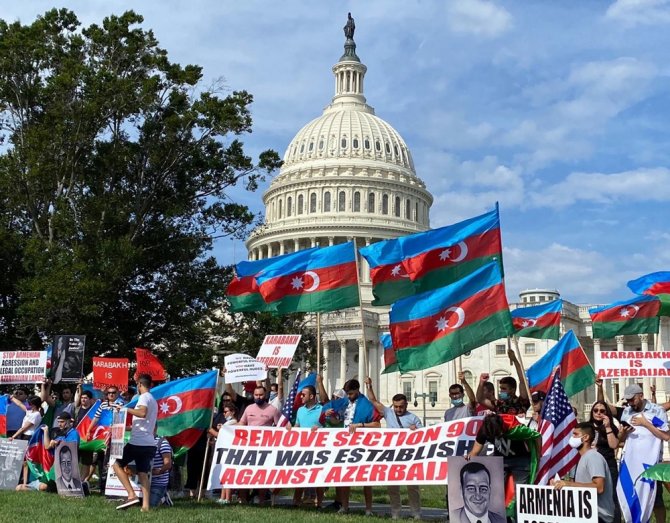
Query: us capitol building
[349, 175]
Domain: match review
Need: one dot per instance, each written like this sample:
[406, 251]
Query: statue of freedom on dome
[349, 28]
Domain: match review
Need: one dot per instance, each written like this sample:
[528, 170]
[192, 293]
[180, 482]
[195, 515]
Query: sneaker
[369, 513]
[343, 510]
[222, 501]
[128, 503]
[167, 500]
[335, 505]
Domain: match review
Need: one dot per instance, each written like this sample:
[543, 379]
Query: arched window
[378, 145]
[354, 143]
[366, 143]
[408, 209]
[371, 202]
[357, 201]
[280, 208]
[326, 202]
[388, 148]
[385, 204]
[396, 209]
[321, 144]
[301, 202]
[341, 202]
[302, 147]
[312, 202]
[343, 143]
[311, 146]
[289, 205]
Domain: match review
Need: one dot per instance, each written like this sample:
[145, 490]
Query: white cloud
[640, 185]
[478, 17]
[639, 12]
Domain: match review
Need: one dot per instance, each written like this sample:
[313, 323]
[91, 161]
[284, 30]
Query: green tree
[114, 179]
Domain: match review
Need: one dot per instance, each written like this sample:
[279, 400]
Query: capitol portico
[349, 175]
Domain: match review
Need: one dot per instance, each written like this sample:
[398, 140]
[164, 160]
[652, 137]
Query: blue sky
[558, 110]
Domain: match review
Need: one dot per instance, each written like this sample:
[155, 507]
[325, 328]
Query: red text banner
[270, 457]
[22, 366]
[110, 372]
[632, 364]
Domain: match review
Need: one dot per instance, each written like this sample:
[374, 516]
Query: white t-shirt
[32, 416]
[142, 432]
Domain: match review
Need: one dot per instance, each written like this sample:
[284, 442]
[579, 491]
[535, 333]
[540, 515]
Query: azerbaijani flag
[100, 435]
[390, 361]
[637, 315]
[185, 409]
[40, 459]
[4, 399]
[437, 326]
[540, 321]
[390, 280]
[442, 256]
[315, 280]
[656, 284]
[576, 370]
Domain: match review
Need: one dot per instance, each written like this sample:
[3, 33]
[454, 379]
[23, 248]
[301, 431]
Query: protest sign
[278, 349]
[68, 481]
[118, 433]
[272, 457]
[67, 358]
[475, 486]
[242, 367]
[18, 367]
[148, 363]
[113, 486]
[632, 364]
[110, 372]
[548, 505]
[11, 462]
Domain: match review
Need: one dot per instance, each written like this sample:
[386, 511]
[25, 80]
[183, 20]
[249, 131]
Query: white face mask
[575, 442]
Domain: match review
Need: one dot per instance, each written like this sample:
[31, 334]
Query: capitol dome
[347, 174]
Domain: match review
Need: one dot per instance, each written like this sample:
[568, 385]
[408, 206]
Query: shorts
[86, 457]
[142, 455]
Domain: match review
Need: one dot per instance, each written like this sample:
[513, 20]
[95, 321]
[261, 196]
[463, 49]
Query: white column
[343, 363]
[331, 241]
[313, 240]
[362, 371]
[623, 382]
[296, 245]
[281, 248]
[646, 382]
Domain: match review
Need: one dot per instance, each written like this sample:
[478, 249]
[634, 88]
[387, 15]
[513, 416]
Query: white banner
[22, 366]
[242, 367]
[548, 505]
[113, 486]
[11, 462]
[118, 433]
[278, 350]
[271, 457]
[632, 364]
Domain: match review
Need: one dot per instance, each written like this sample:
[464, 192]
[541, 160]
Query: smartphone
[625, 424]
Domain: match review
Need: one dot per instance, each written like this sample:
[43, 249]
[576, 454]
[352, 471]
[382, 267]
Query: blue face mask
[259, 402]
[503, 395]
[457, 402]
[273, 395]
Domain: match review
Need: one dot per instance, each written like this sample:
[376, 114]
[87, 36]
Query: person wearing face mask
[591, 471]
[459, 407]
[508, 402]
[227, 416]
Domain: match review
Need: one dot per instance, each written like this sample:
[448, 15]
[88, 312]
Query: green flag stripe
[196, 419]
[249, 303]
[540, 333]
[451, 273]
[320, 301]
[447, 348]
[578, 380]
[392, 290]
[391, 368]
[611, 329]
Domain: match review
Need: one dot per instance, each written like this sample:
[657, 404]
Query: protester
[65, 433]
[84, 402]
[606, 443]
[160, 473]
[31, 419]
[276, 398]
[592, 471]
[15, 413]
[398, 417]
[141, 446]
[110, 403]
[227, 417]
[486, 394]
[537, 400]
[127, 395]
[459, 407]
[56, 404]
[308, 416]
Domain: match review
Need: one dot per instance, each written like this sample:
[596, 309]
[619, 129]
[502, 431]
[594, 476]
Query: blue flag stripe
[538, 310]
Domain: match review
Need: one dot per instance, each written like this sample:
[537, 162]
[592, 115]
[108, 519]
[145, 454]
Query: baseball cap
[339, 393]
[538, 395]
[65, 416]
[631, 391]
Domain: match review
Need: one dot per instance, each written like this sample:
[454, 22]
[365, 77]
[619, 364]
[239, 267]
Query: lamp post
[423, 396]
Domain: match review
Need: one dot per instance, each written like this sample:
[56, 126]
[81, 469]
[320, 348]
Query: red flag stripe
[572, 362]
[241, 286]
[659, 288]
[185, 401]
[647, 309]
[546, 320]
[390, 272]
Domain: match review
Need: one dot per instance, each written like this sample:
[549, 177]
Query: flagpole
[518, 355]
[318, 343]
[360, 305]
[211, 420]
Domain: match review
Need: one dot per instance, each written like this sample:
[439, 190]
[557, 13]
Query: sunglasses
[600, 411]
[112, 392]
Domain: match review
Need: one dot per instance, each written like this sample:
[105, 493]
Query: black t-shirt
[81, 414]
[602, 445]
[505, 447]
[242, 402]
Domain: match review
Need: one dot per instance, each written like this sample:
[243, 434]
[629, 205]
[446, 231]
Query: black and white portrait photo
[11, 462]
[67, 358]
[68, 481]
[476, 490]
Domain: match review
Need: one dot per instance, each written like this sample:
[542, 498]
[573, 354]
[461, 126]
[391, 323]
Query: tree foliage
[115, 175]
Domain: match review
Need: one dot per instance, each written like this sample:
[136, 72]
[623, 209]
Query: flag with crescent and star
[101, 432]
[576, 370]
[4, 399]
[540, 321]
[438, 326]
[315, 280]
[390, 361]
[637, 315]
[654, 284]
[184, 409]
[432, 259]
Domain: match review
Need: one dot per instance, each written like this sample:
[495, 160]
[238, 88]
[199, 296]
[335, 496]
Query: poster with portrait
[11, 462]
[118, 433]
[67, 358]
[476, 489]
[66, 461]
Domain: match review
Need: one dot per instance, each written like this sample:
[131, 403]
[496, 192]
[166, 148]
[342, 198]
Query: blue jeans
[157, 493]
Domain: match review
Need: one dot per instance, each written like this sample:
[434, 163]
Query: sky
[557, 110]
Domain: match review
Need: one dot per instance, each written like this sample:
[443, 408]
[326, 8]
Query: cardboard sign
[632, 364]
[110, 372]
[113, 486]
[480, 490]
[17, 367]
[148, 363]
[11, 462]
[67, 358]
[118, 433]
[278, 350]
[273, 457]
[66, 461]
[548, 505]
[242, 367]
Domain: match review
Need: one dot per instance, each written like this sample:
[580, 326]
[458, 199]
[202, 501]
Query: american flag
[287, 411]
[556, 424]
